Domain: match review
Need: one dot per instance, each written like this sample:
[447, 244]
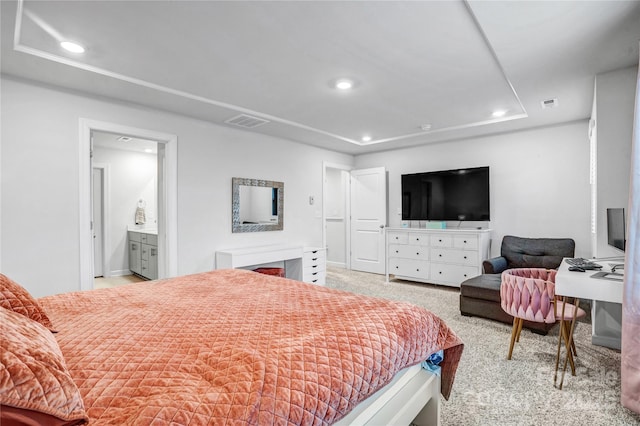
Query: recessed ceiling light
[72, 47]
[499, 113]
[366, 138]
[344, 84]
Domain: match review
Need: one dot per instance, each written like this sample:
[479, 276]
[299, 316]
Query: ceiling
[124, 143]
[423, 71]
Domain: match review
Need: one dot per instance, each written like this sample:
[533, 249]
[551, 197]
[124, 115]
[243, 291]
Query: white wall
[40, 183]
[539, 179]
[614, 105]
[132, 177]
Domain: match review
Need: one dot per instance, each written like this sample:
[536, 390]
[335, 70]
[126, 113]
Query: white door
[368, 219]
[97, 196]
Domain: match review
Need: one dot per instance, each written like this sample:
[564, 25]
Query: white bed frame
[412, 397]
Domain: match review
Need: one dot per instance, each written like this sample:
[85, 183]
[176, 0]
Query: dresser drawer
[465, 242]
[418, 239]
[462, 257]
[409, 251]
[409, 268]
[441, 240]
[452, 274]
[398, 237]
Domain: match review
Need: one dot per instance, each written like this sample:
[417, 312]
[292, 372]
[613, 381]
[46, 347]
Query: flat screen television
[616, 228]
[461, 194]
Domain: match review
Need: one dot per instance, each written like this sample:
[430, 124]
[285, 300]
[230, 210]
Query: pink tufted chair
[529, 294]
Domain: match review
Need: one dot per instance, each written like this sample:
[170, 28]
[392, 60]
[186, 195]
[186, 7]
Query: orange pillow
[33, 374]
[17, 299]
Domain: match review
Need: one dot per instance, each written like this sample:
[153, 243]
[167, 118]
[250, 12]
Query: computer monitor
[616, 228]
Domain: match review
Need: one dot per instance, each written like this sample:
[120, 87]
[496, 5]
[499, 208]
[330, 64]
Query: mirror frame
[235, 205]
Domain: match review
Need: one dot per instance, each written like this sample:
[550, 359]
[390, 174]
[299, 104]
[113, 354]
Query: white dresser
[438, 256]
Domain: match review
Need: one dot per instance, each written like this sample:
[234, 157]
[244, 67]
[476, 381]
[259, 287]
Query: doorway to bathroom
[165, 216]
[124, 198]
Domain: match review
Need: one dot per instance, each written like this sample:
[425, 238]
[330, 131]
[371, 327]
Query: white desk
[606, 309]
[289, 256]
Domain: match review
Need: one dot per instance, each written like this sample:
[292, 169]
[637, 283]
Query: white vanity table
[300, 263]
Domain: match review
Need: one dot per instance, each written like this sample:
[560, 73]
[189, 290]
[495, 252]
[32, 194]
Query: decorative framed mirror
[257, 205]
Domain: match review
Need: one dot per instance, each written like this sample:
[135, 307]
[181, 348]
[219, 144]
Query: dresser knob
[440, 272]
[439, 255]
[417, 254]
[465, 257]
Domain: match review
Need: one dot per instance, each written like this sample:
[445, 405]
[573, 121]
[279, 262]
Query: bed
[225, 347]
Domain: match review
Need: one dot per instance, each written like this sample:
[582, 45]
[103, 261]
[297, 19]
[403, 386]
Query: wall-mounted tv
[461, 194]
[616, 228]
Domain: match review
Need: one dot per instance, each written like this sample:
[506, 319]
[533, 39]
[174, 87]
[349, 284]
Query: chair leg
[520, 323]
[514, 332]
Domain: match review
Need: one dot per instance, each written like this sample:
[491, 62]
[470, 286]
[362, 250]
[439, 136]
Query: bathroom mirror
[257, 205]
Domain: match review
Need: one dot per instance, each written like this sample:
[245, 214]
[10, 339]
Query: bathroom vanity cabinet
[143, 254]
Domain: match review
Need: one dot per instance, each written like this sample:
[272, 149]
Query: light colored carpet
[491, 390]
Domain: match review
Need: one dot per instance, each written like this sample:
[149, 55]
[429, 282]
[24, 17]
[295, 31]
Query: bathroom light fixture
[366, 138]
[425, 127]
[344, 84]
[72, 47]
[499, 113]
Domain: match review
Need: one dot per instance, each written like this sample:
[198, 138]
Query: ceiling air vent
[549, 103]
[246, 121]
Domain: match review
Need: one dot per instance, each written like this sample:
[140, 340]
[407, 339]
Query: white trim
[167, 212]
[106, 220]
[19, 47]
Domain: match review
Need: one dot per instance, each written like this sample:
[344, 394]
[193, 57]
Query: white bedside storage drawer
[314, 265]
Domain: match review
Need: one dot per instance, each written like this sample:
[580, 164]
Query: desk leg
[569, 345]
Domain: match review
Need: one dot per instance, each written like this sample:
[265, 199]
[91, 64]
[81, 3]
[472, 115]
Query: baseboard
[121, 273]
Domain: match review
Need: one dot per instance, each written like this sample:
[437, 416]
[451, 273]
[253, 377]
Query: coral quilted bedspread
[237, 347]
